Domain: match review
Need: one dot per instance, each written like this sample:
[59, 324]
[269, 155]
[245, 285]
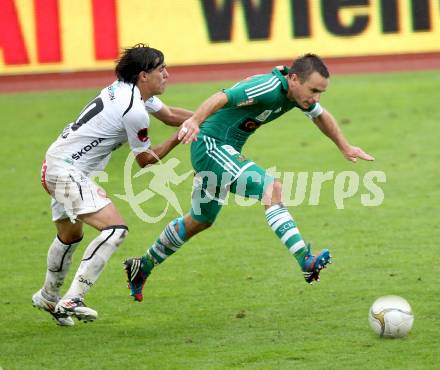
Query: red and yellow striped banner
[66, 35]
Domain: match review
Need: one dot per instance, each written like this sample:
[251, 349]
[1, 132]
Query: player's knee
[273, 193]
[114, 234]
[70, 237]
[277, 189]
[203, 226]
[67, 232]
[193, 227]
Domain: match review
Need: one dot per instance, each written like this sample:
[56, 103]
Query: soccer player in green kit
[218, 130]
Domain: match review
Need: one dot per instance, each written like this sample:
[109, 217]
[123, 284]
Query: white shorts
[72, 192]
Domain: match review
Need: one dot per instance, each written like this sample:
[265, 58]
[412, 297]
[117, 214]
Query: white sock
[59, 259]
[94, 260]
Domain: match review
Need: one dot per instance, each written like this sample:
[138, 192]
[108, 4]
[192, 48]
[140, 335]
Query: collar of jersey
[137, 92]
[281, 77]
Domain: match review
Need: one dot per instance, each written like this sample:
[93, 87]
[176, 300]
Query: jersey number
[90, 111]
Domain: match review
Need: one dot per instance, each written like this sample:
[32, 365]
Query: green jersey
[252, 102]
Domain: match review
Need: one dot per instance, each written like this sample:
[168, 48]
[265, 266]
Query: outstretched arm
[172, 116]
[158, 152]
[190, 128]
[328, 125]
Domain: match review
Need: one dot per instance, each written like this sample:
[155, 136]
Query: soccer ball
[391, 317]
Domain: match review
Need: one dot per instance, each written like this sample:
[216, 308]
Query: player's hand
[188, 131]
[282, 69]
[352, 153]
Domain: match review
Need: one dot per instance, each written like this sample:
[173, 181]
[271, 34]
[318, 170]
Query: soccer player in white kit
[117, 115]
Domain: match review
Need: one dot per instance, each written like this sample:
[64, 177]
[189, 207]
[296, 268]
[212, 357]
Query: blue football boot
[311, 265]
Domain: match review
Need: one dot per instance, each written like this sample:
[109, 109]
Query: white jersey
[117, 115]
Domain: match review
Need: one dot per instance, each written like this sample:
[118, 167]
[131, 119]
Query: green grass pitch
[233, 298]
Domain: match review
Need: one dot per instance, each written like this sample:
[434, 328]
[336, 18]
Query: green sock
[147, 263]
[300, 254]
[166, 245]
[282, 223]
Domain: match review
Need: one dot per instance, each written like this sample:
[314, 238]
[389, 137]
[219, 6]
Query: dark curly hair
[136, 59]
[304, 66]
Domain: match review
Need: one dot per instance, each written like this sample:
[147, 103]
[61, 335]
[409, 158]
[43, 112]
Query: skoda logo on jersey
[143, 135]
[87, 148]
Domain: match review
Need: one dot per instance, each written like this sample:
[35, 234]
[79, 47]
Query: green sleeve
[238, 96]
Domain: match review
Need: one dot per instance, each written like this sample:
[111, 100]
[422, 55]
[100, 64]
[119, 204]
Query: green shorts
[220, 169]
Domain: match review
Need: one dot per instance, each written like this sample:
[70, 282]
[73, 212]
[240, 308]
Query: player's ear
[294, 77]
[143, 76]
[291, 78]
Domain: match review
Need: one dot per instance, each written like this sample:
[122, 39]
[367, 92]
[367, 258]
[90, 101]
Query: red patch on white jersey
[143, 135]
[43, 176]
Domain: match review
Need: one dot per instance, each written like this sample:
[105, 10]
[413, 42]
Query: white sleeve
[154, 104]
[315, 112]
[136, 125]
